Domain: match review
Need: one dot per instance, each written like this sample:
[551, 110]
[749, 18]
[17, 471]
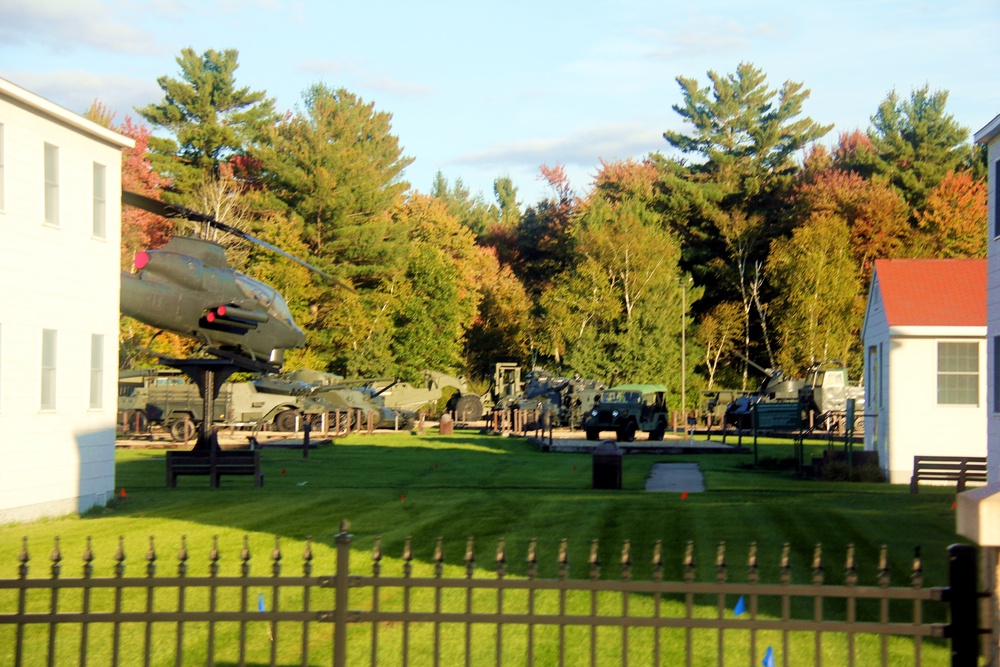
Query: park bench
[241, 462]
[960, 469]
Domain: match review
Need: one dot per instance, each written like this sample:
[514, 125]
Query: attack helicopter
[188, 288]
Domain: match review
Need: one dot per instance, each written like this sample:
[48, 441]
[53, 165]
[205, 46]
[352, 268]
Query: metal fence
[470, 618]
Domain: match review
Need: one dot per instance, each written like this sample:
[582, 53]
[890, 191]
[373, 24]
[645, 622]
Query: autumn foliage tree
[953, 222]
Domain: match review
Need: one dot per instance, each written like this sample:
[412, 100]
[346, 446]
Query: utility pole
[684, 417]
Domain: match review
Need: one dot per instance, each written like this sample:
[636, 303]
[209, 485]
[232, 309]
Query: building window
[51, 185]
[958, 374]
[872, 380]
[48, 369]
[100, 201]
[96, 371]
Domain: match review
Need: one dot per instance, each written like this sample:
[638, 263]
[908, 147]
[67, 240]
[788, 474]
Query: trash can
[607, 462]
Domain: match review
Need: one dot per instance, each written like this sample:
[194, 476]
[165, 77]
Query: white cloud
[65, 26]
[76, 90]
[585, 148]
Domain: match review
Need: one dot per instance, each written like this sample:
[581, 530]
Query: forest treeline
[753, 232]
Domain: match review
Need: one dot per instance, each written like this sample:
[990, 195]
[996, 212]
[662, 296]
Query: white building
[925, 361]
[60, 228]
[990, 136]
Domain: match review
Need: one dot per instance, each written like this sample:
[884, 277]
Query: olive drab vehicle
[822, 396]
[565, 401]
[363, 403]
[425, 393]
[627, 409]
[165, 398]
[776, 386]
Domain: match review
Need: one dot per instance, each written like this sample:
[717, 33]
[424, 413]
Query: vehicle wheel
[285, 421]
[593, 434]
[469, 408]
[657, 433]
[182, 430]
[626, 433]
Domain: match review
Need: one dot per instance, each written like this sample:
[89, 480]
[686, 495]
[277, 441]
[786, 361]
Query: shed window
[958, 374]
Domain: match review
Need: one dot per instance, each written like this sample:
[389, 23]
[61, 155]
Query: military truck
[627, 409]
[565, 401]
[166, 398]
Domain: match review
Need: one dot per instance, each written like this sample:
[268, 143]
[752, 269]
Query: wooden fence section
[467, 618]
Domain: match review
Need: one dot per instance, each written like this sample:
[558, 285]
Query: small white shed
[924, 338]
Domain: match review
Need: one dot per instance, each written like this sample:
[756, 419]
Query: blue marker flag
[260, 602]
[769, 657]
[741, 606]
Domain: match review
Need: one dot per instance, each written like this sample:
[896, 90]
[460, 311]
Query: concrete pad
[675, 478]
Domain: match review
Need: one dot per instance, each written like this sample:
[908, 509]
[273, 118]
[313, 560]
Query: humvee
[627, 409]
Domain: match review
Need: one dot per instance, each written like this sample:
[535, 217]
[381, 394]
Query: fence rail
[470, 618]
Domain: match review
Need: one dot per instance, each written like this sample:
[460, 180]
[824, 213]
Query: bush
[772, 463]
[839, 471]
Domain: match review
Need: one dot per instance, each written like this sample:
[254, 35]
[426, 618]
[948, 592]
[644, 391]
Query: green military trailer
[627, 409]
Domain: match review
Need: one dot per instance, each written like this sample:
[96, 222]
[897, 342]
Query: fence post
[343, 540]
[963, 601]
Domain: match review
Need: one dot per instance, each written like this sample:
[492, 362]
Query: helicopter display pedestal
[208, 375]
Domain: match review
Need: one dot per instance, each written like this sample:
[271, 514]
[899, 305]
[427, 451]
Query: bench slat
[226, 463]
[960, 469]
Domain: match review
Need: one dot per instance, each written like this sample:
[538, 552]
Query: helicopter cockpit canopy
[266, 296]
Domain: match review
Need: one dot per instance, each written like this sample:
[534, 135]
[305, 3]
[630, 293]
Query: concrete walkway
[675, 478]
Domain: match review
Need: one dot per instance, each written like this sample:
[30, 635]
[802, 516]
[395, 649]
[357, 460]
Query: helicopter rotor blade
[175, 211]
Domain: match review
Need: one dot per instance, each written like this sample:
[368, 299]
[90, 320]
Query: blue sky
[481, 90]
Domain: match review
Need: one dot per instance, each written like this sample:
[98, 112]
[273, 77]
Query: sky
[480, 90]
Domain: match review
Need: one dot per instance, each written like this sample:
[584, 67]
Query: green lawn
[395, 486]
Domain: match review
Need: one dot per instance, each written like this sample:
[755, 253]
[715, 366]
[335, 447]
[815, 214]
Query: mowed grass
[466, 485]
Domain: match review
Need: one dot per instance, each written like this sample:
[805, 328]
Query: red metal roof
[933, 292]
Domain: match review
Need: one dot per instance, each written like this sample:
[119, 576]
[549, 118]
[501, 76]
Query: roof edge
[989, 131]
[62, 114]
[937, 331]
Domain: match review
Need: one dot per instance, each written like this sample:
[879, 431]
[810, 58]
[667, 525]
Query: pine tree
[917, 143]
[209, 117]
